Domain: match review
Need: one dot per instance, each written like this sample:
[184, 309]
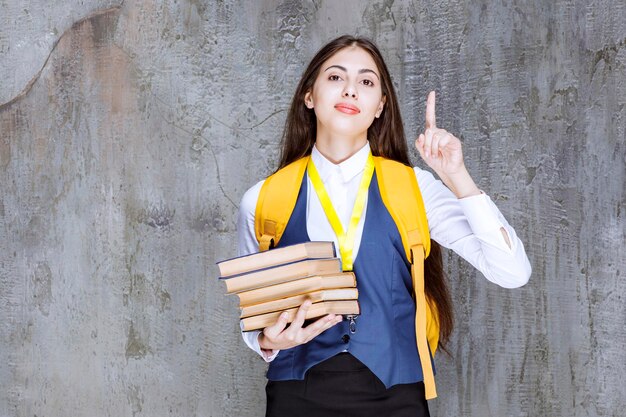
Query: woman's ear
[381, 106]
[308, 100]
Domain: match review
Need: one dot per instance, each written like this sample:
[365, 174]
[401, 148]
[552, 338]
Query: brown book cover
[298, 300]
[344, 307]
[278, 256]
[296, 287]
[282, 273]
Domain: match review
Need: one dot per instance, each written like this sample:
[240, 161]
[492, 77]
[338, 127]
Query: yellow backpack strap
[402, 198]
[276, 202]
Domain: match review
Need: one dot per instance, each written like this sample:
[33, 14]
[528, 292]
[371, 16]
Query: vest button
[345, 338]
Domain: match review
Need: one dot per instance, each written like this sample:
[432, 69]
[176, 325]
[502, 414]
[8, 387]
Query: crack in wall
[116, 9]
[32, 82]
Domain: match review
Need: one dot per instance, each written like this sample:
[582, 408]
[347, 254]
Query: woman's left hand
[443, 153]
[440, 149]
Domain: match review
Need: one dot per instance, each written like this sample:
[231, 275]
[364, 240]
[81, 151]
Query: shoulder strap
[276, 202]
[402, 198]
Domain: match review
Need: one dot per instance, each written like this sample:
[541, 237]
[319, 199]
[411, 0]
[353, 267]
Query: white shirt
[469, 226]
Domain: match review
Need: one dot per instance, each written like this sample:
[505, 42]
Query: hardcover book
[297, 300]
[282, 273]
[278, 256]
[343, 307]
[297, 287]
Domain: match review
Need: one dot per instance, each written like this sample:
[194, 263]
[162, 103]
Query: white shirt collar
[348, 169]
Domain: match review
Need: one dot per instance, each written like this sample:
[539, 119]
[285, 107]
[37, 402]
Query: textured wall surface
[129, 132]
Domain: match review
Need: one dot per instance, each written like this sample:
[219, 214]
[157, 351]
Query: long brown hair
[386, 138]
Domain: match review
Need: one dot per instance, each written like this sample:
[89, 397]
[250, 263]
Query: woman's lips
[347, 108]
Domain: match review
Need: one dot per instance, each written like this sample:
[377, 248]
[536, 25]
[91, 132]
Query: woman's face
[346, 94]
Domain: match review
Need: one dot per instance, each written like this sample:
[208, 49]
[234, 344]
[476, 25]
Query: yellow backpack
[402, 198]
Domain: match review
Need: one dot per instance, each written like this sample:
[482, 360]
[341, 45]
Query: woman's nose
[350, 91]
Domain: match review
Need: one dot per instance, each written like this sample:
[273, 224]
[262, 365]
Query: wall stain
[380, 17]
[103, 27]
[606, 54]
[136, 345]
[41, 288]
[5, 143]
[156, 216]
[531, 172]
[143, 293]
[211, 219]
[135, 399]
[193, 15]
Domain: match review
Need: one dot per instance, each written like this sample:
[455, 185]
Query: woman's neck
[338, 149]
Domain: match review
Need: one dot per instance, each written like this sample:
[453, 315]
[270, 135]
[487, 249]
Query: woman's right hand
[276, 337]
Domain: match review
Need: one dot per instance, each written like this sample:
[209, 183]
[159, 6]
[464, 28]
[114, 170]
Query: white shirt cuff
[479, 213]
[487, 222]
[252, 340]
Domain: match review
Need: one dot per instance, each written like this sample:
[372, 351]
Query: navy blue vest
[385, 331]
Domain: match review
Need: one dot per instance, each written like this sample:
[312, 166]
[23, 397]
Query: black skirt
[343, 386]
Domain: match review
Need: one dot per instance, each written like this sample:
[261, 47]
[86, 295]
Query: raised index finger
[431, 123]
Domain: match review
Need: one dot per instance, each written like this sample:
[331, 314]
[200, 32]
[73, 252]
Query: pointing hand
[438, 148]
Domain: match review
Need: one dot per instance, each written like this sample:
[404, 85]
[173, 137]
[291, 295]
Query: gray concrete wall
[129, 132]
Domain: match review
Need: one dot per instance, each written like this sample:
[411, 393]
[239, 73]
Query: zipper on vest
[352, 325]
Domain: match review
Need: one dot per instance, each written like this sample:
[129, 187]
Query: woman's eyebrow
[361, 71]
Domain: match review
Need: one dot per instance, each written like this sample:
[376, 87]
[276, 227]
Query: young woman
[344, 110]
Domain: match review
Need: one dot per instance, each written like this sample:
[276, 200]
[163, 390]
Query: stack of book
[269, 283]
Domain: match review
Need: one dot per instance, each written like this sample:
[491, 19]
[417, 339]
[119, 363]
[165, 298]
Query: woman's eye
[368, 83]
[334, 77]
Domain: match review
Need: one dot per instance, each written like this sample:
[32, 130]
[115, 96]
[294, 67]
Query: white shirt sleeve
[247, 244]
[471, 227]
